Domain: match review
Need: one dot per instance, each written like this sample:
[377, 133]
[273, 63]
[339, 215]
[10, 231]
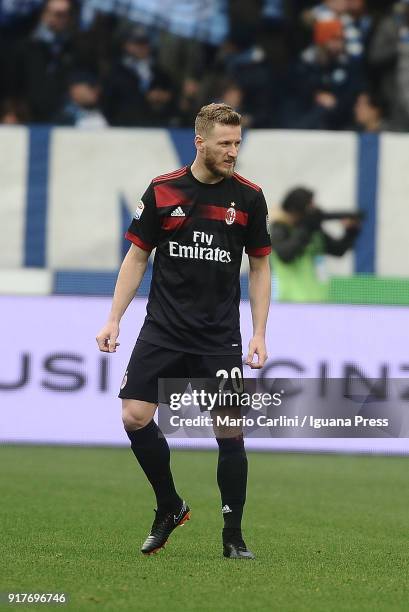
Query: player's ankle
[231, 533]
[172, 505]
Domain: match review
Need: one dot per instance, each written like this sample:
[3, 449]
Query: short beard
[211, 166]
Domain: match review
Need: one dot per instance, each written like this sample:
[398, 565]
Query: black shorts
[149, 362]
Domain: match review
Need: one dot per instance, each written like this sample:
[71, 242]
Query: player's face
[221, 148]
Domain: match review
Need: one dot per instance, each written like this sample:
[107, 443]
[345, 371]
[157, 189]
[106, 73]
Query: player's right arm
[129, 278]
[143, 234]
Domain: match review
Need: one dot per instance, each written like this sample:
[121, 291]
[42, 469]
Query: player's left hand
[257, 346]
[351, 223]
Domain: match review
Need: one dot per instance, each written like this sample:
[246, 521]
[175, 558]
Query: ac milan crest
[230, 214]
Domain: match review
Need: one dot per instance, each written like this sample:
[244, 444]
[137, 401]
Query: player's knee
[229, 431]
[231, 444]
[134, 421]
[136, 415]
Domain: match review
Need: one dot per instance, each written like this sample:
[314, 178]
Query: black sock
[152, 452]
[232, 480]
[231, 534]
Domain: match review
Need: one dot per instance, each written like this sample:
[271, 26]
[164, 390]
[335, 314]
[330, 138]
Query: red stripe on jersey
[169, 195]
[246, 181]
[170, 175]
[169, 223]
[259, 252]
[140, 243]
[218, 213]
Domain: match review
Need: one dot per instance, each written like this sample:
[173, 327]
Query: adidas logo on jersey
[178, 212]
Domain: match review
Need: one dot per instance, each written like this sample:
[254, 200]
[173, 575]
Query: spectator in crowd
[354, 17]
[44, 61]
[254, 56]
[388, 57]
[82, 109]
[232, 95]
[243, 61]
[189, 35]
[138, 92]
[369, 113]
[189, 102]
[298, 241]
[326, 82]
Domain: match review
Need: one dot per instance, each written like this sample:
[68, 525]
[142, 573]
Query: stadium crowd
[338, 64]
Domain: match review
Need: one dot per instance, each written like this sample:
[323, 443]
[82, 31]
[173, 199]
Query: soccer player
[199, 218]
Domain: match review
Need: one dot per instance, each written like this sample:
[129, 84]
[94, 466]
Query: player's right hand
[107, 338]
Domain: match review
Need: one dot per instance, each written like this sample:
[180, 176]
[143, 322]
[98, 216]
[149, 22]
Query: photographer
[298, 240]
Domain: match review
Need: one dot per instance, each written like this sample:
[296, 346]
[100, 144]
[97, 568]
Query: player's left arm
[258, 248]
[259, 293]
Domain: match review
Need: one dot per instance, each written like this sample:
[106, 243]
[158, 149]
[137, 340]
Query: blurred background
[98, 97]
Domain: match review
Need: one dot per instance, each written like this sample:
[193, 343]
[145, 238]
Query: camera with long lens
[315, 216]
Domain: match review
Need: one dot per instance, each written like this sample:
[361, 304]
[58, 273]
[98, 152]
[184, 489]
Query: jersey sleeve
[144, 228]
[258, 242]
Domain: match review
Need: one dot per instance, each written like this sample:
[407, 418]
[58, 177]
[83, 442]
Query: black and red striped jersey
[199, 231]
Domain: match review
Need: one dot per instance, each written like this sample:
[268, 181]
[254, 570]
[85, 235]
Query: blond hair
[214, 113]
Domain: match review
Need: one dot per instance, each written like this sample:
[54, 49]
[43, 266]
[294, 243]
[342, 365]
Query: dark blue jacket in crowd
[342, 77]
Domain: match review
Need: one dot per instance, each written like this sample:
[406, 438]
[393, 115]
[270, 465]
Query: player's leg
[151, 450]
[232, 466]
[139, 391]
[232, 469]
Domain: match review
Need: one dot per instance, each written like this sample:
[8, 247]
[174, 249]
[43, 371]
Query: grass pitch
[330, 533]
